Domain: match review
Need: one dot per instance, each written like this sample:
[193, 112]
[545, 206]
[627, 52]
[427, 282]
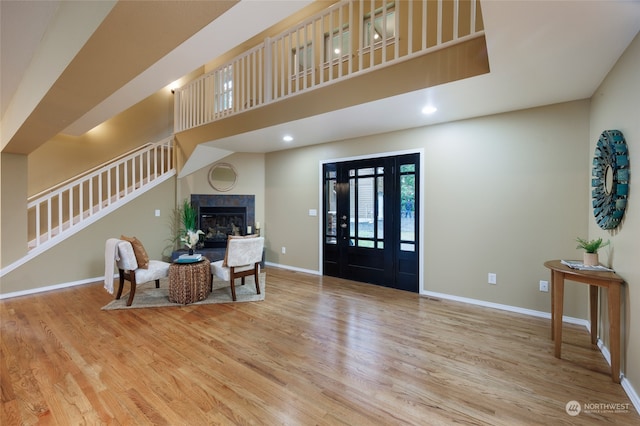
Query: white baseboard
[51, 287]
[509, 308]
[626, 385]
[631, 393]
[293, 268]
[605, 351]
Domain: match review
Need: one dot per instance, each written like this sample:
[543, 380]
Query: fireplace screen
[219, 222]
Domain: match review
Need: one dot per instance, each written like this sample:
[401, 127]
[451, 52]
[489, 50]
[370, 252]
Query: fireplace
[223, 215]
[219, 222]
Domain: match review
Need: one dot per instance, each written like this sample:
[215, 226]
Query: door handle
[343, 226]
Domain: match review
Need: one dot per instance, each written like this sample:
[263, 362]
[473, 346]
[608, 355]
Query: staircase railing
[349, 38]
[61, 211]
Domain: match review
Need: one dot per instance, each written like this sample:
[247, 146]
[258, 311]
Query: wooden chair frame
[131, 277]
[255, 271]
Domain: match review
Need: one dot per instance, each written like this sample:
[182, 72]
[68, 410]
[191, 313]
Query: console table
[609, 280]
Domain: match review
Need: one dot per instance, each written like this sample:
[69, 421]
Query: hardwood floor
[317, 350]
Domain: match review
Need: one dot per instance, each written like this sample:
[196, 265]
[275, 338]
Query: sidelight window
[331, 205]
[408, 207]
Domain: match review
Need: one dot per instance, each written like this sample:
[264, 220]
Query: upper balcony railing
[348, 39]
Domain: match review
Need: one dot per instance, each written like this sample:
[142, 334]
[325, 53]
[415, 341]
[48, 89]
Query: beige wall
[502, 194]
[13, 204]
[616, 105]
[81, 256]
[250, 181]
[150, 120]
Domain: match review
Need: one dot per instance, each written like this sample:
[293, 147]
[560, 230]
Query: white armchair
[129, 270]
[242, 259]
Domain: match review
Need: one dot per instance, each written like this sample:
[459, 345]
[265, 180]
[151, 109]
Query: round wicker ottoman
[189, 282]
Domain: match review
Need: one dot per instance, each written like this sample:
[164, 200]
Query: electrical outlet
[284, 250]
[492, 278]
[544, 286]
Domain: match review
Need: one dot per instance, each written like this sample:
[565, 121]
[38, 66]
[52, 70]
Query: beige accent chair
[242, 259]
[128, 268]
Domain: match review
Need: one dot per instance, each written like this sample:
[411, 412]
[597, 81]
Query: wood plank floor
[317, 351]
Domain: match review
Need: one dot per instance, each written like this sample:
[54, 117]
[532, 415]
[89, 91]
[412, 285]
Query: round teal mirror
[610, 179]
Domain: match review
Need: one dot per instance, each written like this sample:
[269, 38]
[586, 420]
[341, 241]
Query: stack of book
[189, 258]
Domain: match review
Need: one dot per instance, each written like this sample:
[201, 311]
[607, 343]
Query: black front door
[371, 221]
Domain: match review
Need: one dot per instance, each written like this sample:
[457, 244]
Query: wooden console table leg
[593, 308]
[552, 305]
[558, 295]
[614, 330]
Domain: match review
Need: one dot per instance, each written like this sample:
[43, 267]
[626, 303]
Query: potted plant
[190, 236]
[591, 247]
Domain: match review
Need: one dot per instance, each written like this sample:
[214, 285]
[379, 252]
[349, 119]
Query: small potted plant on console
[591, 247]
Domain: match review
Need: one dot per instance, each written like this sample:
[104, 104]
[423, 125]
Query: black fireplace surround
[233, 208]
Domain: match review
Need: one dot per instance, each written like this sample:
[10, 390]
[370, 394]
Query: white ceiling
[540, 53]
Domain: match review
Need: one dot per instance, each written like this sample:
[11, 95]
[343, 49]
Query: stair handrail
[73, 204]
[98, 167]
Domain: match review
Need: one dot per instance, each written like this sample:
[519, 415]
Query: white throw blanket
[110, 257]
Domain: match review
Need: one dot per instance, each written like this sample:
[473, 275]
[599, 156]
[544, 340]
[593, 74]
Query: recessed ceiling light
[287, 138]
[429, 109]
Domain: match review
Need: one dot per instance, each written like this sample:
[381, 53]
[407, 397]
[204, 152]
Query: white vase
[590, 259]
